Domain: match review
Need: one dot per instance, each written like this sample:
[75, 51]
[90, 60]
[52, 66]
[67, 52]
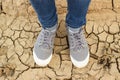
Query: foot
[79, 51]
[43, 48]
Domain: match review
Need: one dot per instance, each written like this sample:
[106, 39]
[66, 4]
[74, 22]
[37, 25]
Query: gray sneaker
[43, 48]
[79, 51]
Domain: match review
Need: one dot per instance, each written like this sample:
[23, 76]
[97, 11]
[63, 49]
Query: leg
[77, 10]
[46, 12]
[43, 48]
[76, 17]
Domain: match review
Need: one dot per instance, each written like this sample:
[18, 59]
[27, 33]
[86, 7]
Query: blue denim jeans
[46, 11]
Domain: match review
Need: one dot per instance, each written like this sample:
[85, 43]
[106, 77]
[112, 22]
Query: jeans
[46, 11]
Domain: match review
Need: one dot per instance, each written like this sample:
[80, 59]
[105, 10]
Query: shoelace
[46, 40]
[77, 40]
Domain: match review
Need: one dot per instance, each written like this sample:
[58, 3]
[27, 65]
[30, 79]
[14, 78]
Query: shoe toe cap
[42, 56]
[79, 60]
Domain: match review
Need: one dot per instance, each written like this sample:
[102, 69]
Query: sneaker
[43, 48]
[79, 51]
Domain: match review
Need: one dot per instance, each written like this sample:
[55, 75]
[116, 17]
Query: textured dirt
[19, 28]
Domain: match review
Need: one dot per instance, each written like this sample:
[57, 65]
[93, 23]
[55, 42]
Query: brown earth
[19, 28]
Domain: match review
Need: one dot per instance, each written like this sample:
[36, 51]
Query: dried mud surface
[19, 28]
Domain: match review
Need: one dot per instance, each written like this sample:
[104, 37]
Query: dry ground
[19, 28]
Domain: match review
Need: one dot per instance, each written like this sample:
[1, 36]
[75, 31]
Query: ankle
[53, 28]
[74, 30]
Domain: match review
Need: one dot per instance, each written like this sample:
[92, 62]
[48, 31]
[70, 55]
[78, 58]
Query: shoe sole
[80, 64]
[42, 62]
